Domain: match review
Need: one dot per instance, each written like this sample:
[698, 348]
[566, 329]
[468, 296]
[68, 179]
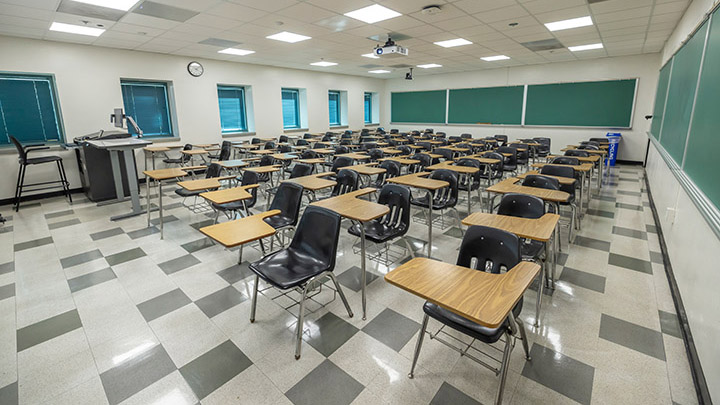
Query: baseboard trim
[39, 196]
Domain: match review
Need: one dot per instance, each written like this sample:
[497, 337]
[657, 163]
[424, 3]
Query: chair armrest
[33, 145]
[250, 186]
[29, 149]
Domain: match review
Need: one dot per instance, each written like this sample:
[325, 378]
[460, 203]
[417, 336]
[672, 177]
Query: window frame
[169, 106]
[368, 108]
[244, 107]
[296, 92]
[338, 108]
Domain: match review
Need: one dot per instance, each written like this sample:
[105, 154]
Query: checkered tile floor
[94, 311]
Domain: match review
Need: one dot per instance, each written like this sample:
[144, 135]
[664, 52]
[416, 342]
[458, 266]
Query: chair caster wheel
[410, 376]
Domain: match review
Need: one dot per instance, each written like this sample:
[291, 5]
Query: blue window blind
[334, 107]
[29, 109]
[232, 109]
[291, 108]
[368, 108]
[147, 103]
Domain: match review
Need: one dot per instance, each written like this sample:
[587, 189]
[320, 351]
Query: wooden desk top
[264, 169]
[562, 180]
[597, 152]
[202, 184]
[164, 174]
[241, 231]
[589, 159]
[299, 147]
[229, 194]
[313, 182]
[391, 151]
[311, 161]
[154, 149]
[349, 206]
[366, 169]
[285, 156]
[418, 180]
[415, 147]
[455, 149]
[263, 151]
[585, 167]
[247, 146]
[354, 155]
[203, 145]
[540, 229]
[231, 164]
[456, 169]
[401, 160]
[195, 152]
[480, 159]
[212, 148]
[484, 298]
[268, 139]
[526, 143]
[324, 151]
[509, 186]
[432, 155]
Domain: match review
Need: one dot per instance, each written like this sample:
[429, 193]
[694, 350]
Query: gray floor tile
[166, 219]
[583, 279]
[562, 259]
[6, 229]
[629, 206]
[47, 329]
[208, 372]
[656, 257]
[606, 198]
[632, 336]
[631, 263]
[59, 214]
[326, 384]
[9, 394]
[196, 245]
[135, 374]
[329, 334]
[143, 232]
[669, 324]
[449, 395]
[392, 329]
[202, 224]
[7, 291]
[107, 233]
[178, 263]
[560, 373]
[88, 280]
[163, 304]
[632, 193]
[352, 278]
[235, 273]
[8, 267]
[220, 301]
[633, 179]
[455, 232]
[651, 228]
[631, 233]
[63, 224]
[125, 256]
[417, 244]
[33, 243]
[80, 258]
[592, 243]
[600, 213]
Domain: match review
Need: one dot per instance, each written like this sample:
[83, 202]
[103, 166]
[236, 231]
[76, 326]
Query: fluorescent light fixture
[494, 58]
[429, 66]
[453, 42]
[373, 14]
[288, 37]
[567, 24]
[323, 63]
[378, 71]
[235, 51]
[123, 5]
[585, 47]
[76, 29]
[371, 56]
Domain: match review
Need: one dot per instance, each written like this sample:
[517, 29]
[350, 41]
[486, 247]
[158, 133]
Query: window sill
[237, 134]
[372, 124]
[339, 126]
[290, 130]
[161, 139]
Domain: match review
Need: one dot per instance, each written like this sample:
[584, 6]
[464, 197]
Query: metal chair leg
[18, 186]
[342, 294]
[541, 287]
[418, 345]
[504, 368]
[254, 299]
[520, 326]
[301, 319]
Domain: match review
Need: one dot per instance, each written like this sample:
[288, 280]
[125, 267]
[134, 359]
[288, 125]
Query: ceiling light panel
[373, 14]
[495, 58]
[236, 51]
[288, 37]
[571, 23]
[585, 47]
[323, 63]
[123, 5]
[76, 29]
[429, 66]
[378, 71]
[453, 42]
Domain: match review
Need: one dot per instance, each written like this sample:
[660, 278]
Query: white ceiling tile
[448, 11]
[501, 14]
[622, 15]
[564, 14]
[618, 5]
[306, 12]
[137, 29]
[266, 5]
[670, 17]
[195, 5]
[341, 6]
[148, 21]
[236, 12]
[209, 20]
[632, 22]
[458, 23]
[544, 6]
[39, 4]
[27, 12]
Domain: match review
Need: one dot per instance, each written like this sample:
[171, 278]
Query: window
[29, 109]
[368, 108]
[233, 117]
[334, 107]
[291, 108]
[147, 103]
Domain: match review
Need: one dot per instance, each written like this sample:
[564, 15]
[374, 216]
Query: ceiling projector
[390, 49]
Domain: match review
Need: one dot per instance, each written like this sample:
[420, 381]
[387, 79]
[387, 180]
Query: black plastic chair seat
[288, 268]
[466, 326]
[437, 205]
[42, 159]
[187, 193]
[173, 161]
[377, 232]
[279, 221]
[231, 206]
[509, 168]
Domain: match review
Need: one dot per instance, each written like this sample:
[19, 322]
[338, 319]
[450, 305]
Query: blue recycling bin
[614, 139]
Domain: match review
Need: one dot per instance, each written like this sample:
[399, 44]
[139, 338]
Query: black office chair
[308, 136]
[466, 136]
[224, 154]
[589, 147]
[544, 149]
[182, 160]
[288, 199]
[285, 149]
[347, 180]
[339, 163]
[444, 198]
[346, 142]
[298, 170]
[265, 160]
[249, 181]
[563, 160]
[339, 150]
[392, 169]
[495, 170]
[540, 181]
[510, 163]
[569, 172]
[25, 161]
[368, 145]
[523, 156]
[394, 131]
[447, 155]
[424, 161]
[455, 138]
[309, 258]
[213, 170]
[491, 250]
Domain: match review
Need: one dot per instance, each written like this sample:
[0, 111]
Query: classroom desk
[153, 150]
[159, 176]
[508, 185]
[195, 152]
[324, 151]
[565, 181]
[585, 170]
[314, 182]
[233, 164]
[241, 231]
[366, 171]
[432, 155]
[355, 155]
[391, 151]
[229, 195]
[415, 147]
[263, 152]
[358, 211]
[455, 149]
[285, 159]
[403, 161]
[461, 170]
[418, 180]
[203, 145]
[265, 169]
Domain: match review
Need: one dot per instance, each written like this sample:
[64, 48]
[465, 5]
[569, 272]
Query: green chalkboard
[681, 93]
[660, 97]
[418, 107]
[490, 105]
[701, 161]
[605, 104]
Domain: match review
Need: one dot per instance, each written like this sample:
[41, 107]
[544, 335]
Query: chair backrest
[521, 205]
[302, 142]
[340, 149]
[392, 169]
[266, 160]
[575, 152]
[283, 139]
[430, 130]
[308, 136]
[269, 145]
[397, 198]
[589, 147]
[466, 136]
[448, 195]
[317, 236]
[249, 178]
[564, 160]
[300, 170]
[454, 138]
[225, 150]
[540, 181]
[285, 149]
[375, 154]
[213, 170]
[512, 159]
[425, 161]
[369, 145]
[320, 145]
[467, 162]
[394, 131]
[326, 138]
[183, 157]
[255, 140]
[346, 141]
[446, 154]
[494, 155]
[288, 199]
[22, 155]
[340, 162]
[308, 154]
[346, 136]
[404, 150]
[347, 180]
[489, 249]
[560, 171]
[502, 139]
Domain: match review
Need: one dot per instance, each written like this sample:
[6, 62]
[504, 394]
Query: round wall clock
[195, 69]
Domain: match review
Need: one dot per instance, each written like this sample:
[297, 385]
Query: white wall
[88, 83]
[693, 248]
[644, 67]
